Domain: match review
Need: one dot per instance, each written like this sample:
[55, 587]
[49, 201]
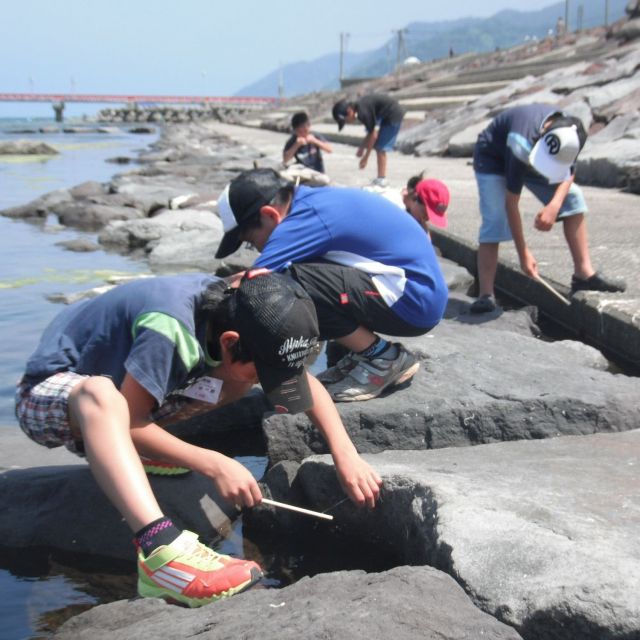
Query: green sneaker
[191, 573]
[162, 468]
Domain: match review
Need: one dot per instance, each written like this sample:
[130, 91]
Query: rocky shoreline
[510, 463]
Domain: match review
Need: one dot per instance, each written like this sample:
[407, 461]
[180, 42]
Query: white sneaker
[379, 182]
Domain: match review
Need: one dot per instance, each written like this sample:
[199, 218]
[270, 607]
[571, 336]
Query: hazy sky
[192, 47]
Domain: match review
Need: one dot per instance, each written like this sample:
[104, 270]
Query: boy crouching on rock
[103, 372]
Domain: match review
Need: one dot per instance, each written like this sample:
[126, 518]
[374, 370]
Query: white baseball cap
[556, 151]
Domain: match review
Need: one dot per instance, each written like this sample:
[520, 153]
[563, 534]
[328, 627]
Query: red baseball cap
[434, 195]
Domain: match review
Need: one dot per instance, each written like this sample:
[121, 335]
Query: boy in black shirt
[305, 146]
[375, 110]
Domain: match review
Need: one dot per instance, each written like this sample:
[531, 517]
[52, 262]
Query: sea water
[33, 266]
[41, 588]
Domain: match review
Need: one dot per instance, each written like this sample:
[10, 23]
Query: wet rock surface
[26, 147]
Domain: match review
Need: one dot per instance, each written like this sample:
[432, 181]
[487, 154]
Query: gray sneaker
[339, 370]
[369, 378]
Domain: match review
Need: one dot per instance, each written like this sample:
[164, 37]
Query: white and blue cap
[555, 153]
[241, 200]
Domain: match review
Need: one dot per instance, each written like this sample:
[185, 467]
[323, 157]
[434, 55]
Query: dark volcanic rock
[541, 534]
[80, 245]
[406, 603]
[63, 507]
[477, 385]
[90, 216]
[26, 147]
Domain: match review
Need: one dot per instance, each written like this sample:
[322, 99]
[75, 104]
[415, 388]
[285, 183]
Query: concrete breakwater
[510, 464]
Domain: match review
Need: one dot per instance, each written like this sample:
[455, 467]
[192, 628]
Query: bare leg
[381, 157]
[357, 341]
[575, 233]
[100, 414]
[487, 267]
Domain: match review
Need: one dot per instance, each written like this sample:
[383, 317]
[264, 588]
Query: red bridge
[89, 97]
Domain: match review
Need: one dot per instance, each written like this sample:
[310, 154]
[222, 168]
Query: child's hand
[546, 218]
[363, 163]
[234, 481]
[360, 481]
[359, 152]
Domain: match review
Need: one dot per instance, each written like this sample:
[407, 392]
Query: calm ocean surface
[32, 266]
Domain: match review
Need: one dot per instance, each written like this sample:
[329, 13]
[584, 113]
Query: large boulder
[89, 216]
[26, 147]
[541, 534]
[478, 383]
[611, 158]
[48, 498]
[40, 207]
[167, 224]
[406, 603]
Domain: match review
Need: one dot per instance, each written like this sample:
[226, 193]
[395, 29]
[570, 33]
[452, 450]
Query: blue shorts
[492, 189]
[387, 136]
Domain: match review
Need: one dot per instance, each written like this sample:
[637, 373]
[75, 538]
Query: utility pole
[606, 13]
[280, 84]
[401, 50]
[343, 46]
[566, 15]
[580, 17]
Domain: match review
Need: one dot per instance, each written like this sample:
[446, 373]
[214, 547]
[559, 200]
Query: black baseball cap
[277, 323]
[339, 113]
[241, 199]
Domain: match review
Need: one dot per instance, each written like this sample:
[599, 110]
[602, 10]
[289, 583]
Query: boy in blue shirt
[364, 262]
[108, 370]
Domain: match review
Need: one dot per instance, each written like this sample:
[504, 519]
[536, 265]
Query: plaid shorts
[43, 411]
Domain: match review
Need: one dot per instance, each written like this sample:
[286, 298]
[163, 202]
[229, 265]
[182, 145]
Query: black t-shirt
[309, 155]
[378, 108]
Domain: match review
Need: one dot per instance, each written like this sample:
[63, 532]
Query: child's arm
[365, 148]
[360, 482]
[289, 153]
[547, 216]
[234, 482]
[319, 142]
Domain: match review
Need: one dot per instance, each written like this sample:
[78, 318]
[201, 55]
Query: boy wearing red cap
[427, 200]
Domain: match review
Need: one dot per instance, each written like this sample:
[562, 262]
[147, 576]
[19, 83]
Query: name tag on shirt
[206, 389]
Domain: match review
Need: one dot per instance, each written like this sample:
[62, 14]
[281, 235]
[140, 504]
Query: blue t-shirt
[151, 328]
[310, 155]
[363, 230]
[503, 147]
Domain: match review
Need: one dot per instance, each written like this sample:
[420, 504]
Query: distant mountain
[433, 40]
[305, 77]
